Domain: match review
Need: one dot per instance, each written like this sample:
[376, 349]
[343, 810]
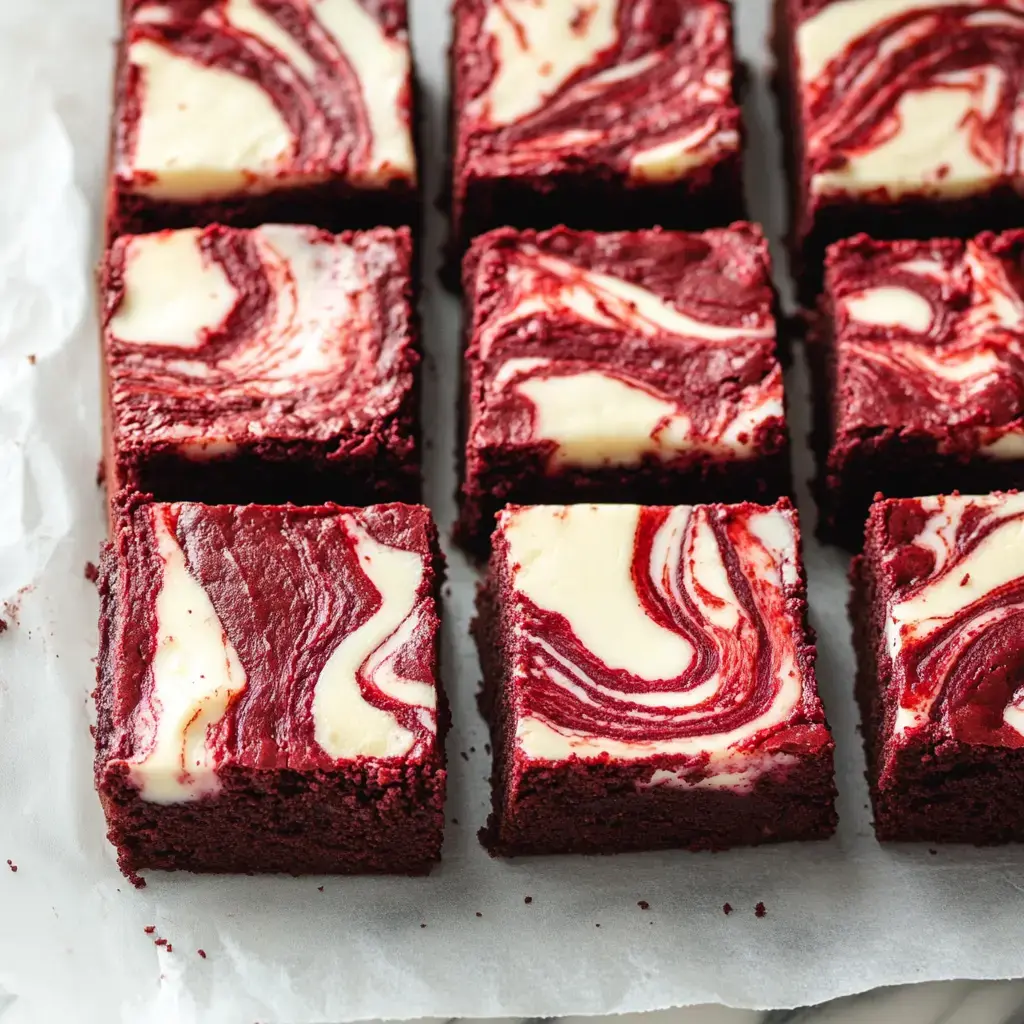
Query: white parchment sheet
[841, 916]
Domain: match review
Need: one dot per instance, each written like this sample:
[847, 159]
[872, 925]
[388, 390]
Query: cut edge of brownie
[525, 479]
[709, 196]
[296, 822]
[335, 205]
[797, 804]
[377, 464]
[838, 216]
[943, 791]
[860, 466]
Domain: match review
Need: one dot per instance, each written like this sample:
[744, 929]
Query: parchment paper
[841, 916]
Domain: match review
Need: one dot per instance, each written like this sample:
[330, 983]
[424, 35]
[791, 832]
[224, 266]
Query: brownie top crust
[615, 347]
[931, 338]
[265, 637]
[226, 97]
[220, 335]
[911, 97]
[951, 572]
[639, 632]
[643, 87]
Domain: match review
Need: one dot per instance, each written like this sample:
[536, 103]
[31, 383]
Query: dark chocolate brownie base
[332, 207]
[950, 792]
[897, 462]
[594, 807]
[515, 479]
[810, 234]
[366, 471]
[349, 821]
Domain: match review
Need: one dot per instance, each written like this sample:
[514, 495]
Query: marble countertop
[947, 1002]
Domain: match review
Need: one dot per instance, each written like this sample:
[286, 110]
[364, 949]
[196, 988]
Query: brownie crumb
[202, 953]
[597, 925]
[934, 853]
[759, 910]
[423, 924]
[478, 914]
[726, 908]
[149, 929]
[644, 905]
[319, 888]
[528, 899]
[12, 865]
[455, 821]
[472, 750]
[463, 755]
[92, 574]
[31, 359]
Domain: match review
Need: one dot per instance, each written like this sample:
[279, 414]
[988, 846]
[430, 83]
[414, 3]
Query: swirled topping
[954, 617]
[930, 337]
[912, 96]
[641, 632]
[219, 335]
[269, 637]
[640, 86]
[250, 96]
[609, 349]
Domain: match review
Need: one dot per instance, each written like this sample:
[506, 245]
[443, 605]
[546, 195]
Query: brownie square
[267, 692]
[918, 373]
[938, 616]
[273, 364]
[611, 114]
[242, 113]
[634, 366]
[902, 117]
[649, 679]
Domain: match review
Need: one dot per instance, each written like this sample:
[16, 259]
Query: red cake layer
[275, 364]
[295, 112]
[938, 612]
[612, 114]
[631, 366]
[267, 691]
[919, 383]
[902, 120]
[649, 680]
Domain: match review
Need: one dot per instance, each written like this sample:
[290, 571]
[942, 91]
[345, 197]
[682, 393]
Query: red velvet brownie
[249, 111]
[649, 678]
[918, 361]
[609, 114]
[268, 695]
[273, 364]
[938, 612]
[634, 366]
[904, 119]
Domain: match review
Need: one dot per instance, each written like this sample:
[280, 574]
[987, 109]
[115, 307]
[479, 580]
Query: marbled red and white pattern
[954, 618]
[930, 337]
[267, 637]
[642, 86]
[217, 336]
[912, 97]
[646, 632]
[237, 97]
[615, 348]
